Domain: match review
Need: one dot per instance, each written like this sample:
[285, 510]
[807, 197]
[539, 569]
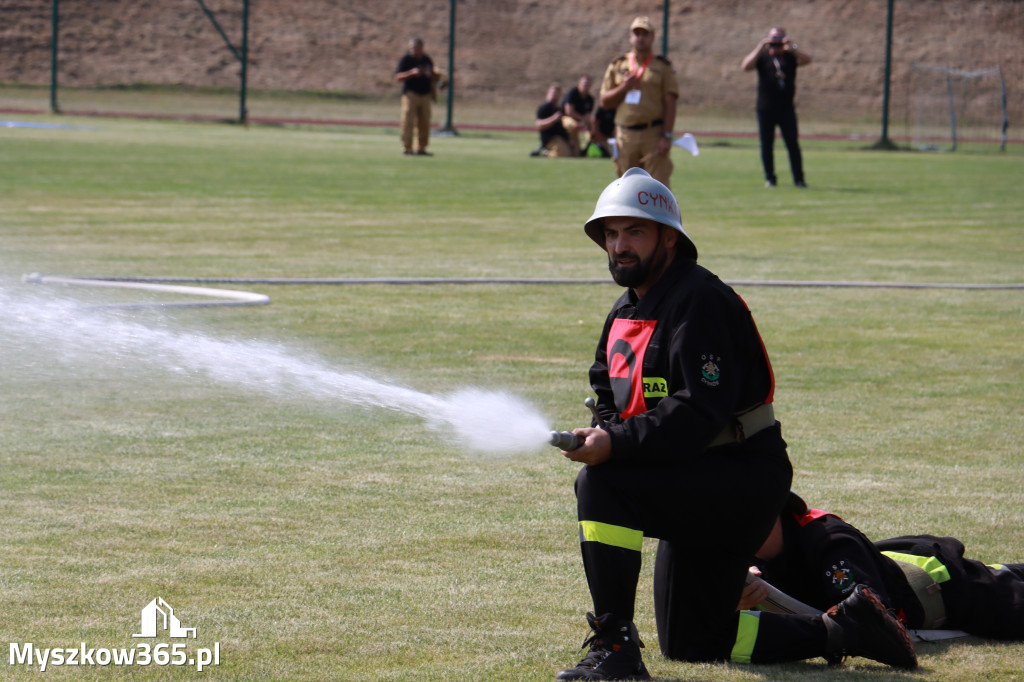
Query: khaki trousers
[635, 146]
[558, 148]
[415, 115]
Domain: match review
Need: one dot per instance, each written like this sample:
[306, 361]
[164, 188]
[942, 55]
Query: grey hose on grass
[821, 284]
[231, 297]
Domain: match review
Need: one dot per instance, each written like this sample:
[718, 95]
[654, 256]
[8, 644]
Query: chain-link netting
[168, 57]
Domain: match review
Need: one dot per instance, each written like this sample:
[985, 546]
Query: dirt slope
[510, 49]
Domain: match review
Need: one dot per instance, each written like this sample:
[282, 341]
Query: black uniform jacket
[825, 558]
[673, 368]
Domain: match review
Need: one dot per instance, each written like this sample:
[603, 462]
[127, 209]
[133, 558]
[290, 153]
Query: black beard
[635, 275]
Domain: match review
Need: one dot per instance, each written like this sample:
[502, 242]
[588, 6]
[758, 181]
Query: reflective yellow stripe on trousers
[607, 534]
[746, 636]
[929, 564]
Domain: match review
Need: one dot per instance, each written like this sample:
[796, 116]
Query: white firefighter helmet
[636, 194]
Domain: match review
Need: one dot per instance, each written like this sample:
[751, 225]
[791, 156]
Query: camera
[775, 44]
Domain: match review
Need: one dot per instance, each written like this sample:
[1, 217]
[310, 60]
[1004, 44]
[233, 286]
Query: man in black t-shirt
[602, 129]
[577, 107]
[776, 59]
[415, 72]
[554, 139]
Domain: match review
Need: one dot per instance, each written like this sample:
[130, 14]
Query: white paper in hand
[689, 143]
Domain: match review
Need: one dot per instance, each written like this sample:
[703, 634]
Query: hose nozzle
[564, 440]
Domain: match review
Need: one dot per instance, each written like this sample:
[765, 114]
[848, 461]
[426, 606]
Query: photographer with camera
[776, 59]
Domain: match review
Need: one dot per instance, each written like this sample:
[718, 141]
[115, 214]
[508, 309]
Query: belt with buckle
[644, 126]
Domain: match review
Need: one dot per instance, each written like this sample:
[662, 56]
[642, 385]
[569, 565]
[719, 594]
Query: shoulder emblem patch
[841, 576]
[710, 369]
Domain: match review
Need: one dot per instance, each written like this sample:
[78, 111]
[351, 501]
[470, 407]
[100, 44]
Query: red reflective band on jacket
[811, 515]
[627, 344]
[771, 372]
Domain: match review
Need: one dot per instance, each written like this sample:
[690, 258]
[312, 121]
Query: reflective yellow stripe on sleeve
[607, 534]
[931, 565]
[746, 636]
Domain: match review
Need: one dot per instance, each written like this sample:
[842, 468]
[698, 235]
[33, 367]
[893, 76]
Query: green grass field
[317, 539]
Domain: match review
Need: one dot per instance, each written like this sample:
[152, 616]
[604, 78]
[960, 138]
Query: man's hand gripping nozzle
[568, 441]
[564, 440]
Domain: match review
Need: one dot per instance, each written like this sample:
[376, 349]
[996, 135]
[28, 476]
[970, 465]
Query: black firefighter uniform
[685, 387]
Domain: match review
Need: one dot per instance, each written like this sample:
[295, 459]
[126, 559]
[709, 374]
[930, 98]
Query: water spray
[42, 334]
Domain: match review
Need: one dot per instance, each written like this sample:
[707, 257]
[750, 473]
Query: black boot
[614, 652]
[860, 625]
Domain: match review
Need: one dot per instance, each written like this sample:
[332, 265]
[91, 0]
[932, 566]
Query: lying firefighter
[817, 558]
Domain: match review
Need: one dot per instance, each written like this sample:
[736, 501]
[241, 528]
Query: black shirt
[776, 81]
[557, 130]
[581, 104]
[605, 121]
[417, 84]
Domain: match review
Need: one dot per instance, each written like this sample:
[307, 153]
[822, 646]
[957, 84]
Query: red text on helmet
[658, 200]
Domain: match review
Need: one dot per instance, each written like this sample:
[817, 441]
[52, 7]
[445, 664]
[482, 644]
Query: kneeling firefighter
[685, 389]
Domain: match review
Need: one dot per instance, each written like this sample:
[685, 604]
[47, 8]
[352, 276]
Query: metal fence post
[55, 24]
[884, 142]
[449, 129]
[243, 112]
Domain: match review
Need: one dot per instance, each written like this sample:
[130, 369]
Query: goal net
[950, 109]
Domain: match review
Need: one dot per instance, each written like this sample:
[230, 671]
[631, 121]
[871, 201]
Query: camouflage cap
[642, 22]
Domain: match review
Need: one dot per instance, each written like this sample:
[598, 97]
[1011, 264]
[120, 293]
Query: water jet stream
[67, 334]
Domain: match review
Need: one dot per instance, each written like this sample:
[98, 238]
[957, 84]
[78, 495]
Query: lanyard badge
[633, 96]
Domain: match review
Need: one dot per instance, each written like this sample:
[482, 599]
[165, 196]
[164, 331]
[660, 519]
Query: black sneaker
[860, 625]
[614, 652]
